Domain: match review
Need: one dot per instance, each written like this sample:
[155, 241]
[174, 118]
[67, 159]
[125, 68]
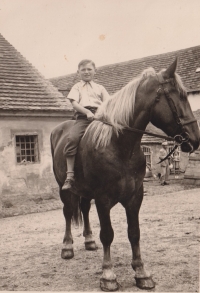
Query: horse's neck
[130, 141]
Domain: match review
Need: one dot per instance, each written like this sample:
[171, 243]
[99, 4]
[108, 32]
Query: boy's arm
[83, 110]
[74, 99]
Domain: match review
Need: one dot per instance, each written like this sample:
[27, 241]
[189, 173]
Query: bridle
[183, 136]
[179, 139]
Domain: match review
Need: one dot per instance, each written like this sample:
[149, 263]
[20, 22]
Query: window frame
[178, 150]
[23, 147]
[38, 133]
[147, 154]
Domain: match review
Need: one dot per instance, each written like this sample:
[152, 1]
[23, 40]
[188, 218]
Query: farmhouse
[30, 107]
[114, 76]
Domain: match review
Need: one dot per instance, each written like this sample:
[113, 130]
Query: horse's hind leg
[143, 279]
[67, 250]
[87, 232]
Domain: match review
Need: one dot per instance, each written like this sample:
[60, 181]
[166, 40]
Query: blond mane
[117, 111]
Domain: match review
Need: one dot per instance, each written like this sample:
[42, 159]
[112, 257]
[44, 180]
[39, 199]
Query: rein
[132, 129]
[169, 138]
[179, 139]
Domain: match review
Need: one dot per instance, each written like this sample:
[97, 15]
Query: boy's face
[87, 72]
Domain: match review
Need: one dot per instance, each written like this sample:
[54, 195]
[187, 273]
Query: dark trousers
[76, 132]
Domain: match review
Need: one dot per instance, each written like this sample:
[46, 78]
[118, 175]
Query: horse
[110, 165]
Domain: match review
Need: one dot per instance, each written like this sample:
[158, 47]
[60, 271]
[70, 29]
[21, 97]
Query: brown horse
[110, 165]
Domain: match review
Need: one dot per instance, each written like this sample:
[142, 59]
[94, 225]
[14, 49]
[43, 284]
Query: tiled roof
[114, 76]
[22, 87]
[151, 139]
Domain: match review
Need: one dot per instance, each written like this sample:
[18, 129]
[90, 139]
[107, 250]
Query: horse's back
[58, 140]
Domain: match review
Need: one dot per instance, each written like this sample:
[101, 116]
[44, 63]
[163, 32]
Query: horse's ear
[171, 69]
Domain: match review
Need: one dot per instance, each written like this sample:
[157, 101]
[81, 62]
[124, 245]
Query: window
[175, 160]
[27, 148]
[147, 153]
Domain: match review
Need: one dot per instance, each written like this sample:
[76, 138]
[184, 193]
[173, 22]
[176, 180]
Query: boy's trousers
[76, 132]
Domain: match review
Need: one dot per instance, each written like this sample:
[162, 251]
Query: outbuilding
[30, 107]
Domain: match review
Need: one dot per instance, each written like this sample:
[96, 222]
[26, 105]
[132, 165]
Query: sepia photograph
[99, 145]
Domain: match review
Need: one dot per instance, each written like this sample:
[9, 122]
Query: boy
[86, 96]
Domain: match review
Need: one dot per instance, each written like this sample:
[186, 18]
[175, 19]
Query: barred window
[175, 160]
[27, 148]
[147, 153]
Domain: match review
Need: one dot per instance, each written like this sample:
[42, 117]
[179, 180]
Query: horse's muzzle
[189, 146]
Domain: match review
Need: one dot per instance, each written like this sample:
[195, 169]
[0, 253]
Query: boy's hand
[90, 116]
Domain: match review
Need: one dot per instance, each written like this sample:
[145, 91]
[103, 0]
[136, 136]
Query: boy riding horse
[86, 96]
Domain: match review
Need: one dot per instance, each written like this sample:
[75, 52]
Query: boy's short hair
[86, 61]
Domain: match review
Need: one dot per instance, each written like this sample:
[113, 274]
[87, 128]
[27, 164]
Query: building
[114, 76]
[30, 107]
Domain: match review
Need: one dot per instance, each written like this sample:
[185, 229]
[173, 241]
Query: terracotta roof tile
[114, 76]
[22, 87]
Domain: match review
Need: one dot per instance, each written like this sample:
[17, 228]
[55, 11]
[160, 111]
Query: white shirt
[88, 94]
[162, 155]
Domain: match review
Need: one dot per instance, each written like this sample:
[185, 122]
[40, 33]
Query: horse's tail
[71, 203]
[77, 215]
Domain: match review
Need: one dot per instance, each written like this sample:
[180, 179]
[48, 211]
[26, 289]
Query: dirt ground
[169, 222]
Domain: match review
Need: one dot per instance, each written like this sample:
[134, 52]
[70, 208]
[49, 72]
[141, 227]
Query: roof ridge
[18, 72]
[127, 62]
[114, 76]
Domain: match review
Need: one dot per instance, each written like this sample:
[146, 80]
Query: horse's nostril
[187, 147]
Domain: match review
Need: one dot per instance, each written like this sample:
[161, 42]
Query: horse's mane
[119, 109]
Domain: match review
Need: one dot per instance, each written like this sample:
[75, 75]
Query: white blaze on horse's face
[86, 72]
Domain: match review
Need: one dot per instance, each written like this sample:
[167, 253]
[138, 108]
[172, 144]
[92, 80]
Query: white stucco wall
[194, 100]
[30, 179]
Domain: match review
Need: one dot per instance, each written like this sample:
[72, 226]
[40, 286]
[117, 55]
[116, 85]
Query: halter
[179, 139]
[183, 136]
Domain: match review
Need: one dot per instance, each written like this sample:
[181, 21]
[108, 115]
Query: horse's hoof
[67, 253]
[90, 245]
[145, 283]
[108, 285]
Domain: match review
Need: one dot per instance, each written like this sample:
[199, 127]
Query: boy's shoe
[165, 183]
[68, 184]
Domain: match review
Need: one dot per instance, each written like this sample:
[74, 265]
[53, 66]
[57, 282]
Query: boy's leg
[167, 175]
[70, 149]
[162, 177]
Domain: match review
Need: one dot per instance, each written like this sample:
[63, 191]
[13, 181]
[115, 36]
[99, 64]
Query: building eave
[68, 114]
[193, 91]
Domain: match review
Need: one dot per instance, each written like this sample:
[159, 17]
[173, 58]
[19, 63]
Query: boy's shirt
[88, 94]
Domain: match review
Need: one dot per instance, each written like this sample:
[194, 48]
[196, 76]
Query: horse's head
[170, 109]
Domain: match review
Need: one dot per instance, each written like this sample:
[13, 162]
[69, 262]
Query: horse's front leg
[67, 249]
[87, 232]
[108, 280]
[143, 278]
